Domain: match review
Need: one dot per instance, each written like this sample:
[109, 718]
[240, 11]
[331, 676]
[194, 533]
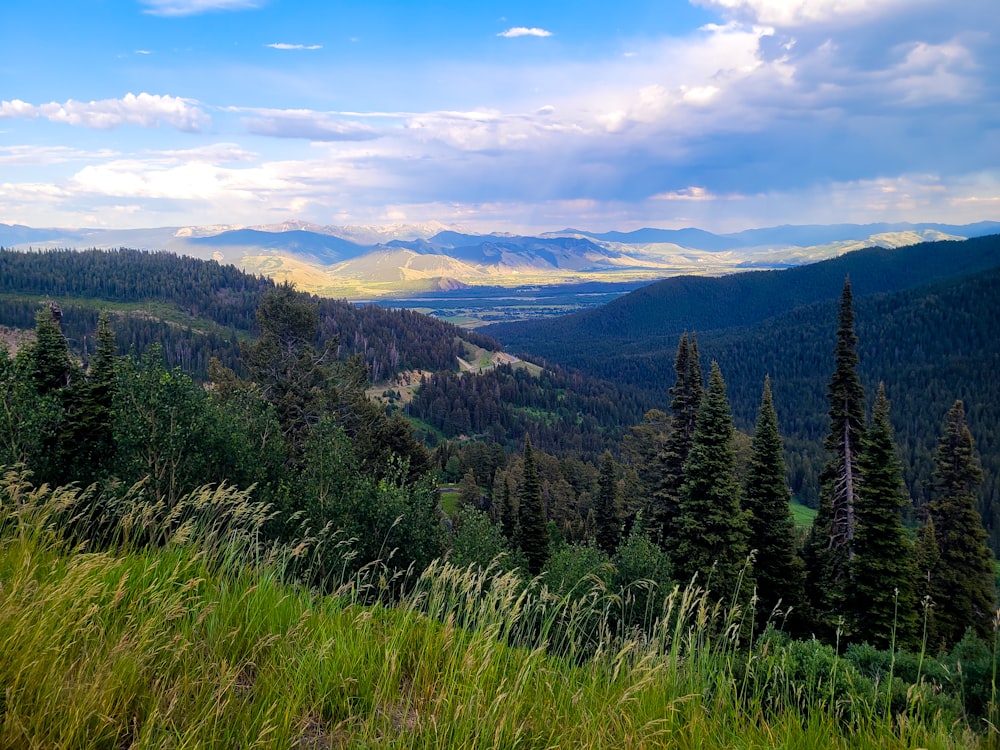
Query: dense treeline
[685, 303]
[205, 309]
[299, 429]
[929, 344]
[690, 500]
[707, 514]
[561, 411]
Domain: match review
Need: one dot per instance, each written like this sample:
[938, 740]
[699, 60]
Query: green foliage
[962, 581]
[383, 520]
[469, 494]
[778, 569]
[882, 599]
[606, 508]
[189, 645]
[686, 395]
[642, 579]
[476, 540]
[711, 533]
[533, 538]
[830, 544]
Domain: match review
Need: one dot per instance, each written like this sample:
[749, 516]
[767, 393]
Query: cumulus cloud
[195, 7]
[286, 46]
[144, 110]
[524, 31]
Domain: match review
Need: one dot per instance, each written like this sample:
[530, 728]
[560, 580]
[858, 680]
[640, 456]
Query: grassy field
[198, 643]
[803, 515]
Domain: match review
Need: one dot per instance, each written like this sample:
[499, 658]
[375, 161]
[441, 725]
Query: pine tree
[962, 582]
[881, 593]
[712, 529]
[606, 514]
[687, 395]
[533, 535]
[778, 569]
[829, 549]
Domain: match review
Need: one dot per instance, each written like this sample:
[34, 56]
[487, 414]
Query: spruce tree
[533, 535]
[606, 513]
[962, 582]
[829, 549]
[777, 567]
[712, 528]
[87, 438]
[687, 395]
[882, 599]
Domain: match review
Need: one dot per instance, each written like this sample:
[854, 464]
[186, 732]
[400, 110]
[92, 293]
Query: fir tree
[962, 582]
[606, 514]
[778, 569]
[829, 549]
[712, 529]
[50, 367]
[533, 535]
[507, 512]
[881, 593]
[687, 395]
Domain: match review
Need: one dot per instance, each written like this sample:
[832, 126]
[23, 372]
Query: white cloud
[285, 46]
[788, 13]
[523, 31]
[195, 7]
[144, 110]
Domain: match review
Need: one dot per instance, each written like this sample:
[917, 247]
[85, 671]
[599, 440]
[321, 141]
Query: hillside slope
[698, 303]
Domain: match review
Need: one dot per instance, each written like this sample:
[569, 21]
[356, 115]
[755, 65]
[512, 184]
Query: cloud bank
[142, 110]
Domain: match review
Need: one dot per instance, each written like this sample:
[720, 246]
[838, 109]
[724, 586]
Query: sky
[510, 116]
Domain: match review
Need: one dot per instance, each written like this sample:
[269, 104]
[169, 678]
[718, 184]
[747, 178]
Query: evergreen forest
[628, 528]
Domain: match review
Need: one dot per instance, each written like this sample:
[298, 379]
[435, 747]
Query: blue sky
[499, 116]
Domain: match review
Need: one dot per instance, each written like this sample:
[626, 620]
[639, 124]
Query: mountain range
[359, 262]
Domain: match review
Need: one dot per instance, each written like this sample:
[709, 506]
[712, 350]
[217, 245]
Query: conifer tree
[507, 512]
[712, 529]
[469, 493]
[777, 567]
[687, 395]
[881, 592]
[829, 549]
[533, 535]
[49, 364]
[606, 514]
[962, 582]
[87, 437]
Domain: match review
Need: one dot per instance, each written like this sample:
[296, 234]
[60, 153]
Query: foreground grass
[185, 647]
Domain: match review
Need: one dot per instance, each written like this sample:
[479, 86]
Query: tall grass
[179, 629]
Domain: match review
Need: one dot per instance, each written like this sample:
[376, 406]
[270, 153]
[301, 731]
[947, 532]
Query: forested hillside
[198, 309]
[930, 344]
[341, 493]
[697, 303]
